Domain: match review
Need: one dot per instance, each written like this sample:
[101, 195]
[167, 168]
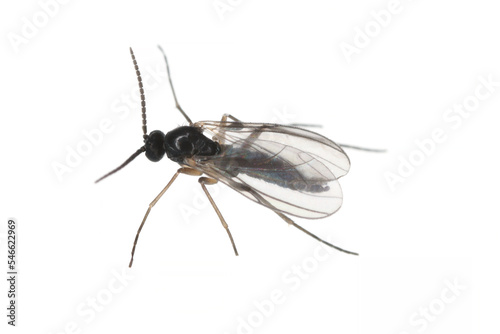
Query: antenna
[132, 157]
[144, 127]
[177, 105]
[143, 98]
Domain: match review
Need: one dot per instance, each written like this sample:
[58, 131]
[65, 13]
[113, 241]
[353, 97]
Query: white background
[257, 61]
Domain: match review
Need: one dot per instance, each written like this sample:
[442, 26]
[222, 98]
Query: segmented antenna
[177, 105]
[144, 127]
[132, 157]
[143, 98]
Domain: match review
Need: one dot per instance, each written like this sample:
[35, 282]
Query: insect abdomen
[271, 169]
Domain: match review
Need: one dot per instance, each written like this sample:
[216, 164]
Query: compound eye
[154, 146]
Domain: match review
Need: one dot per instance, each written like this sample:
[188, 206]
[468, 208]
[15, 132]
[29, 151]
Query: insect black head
[154, 146]
[187, 141]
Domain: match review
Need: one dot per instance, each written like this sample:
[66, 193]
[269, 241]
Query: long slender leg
[258, 131]
[183, 170]
[291, 222]
[223, 127]
[305, 125]
[203, 181]
[177, 105]
[251, 138]
[226, 116]
[376, 150]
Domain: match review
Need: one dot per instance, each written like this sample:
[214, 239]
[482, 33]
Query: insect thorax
[187, 141]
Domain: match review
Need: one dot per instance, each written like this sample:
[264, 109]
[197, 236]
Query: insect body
[287, 169]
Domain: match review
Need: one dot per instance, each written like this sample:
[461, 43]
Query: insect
[290, 170]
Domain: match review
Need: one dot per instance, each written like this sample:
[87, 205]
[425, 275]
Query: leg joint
[189, 171]
[207, 180]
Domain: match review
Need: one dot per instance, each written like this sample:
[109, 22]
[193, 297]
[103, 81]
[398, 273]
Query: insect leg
[226, 116]
[253, 137]
[177, 105]
[183, 170]
[305, 125]
[291, 222]
[258, 131]
[362, 148]
[237, 123]
[203, 181]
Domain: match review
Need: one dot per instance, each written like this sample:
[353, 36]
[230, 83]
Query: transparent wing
[284, 168]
